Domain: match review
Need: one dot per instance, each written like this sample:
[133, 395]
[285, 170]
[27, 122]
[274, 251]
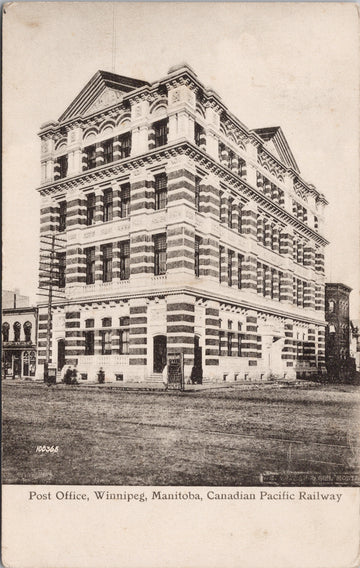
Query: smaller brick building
[339, 364]
[19, 330]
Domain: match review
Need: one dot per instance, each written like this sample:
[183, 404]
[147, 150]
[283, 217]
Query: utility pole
[50, 277]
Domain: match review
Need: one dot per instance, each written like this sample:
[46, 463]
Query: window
[61, 269]
[221, 205]
[198, 132]
[272, 283]
[89, 323]
[90, 209]
[17, 330]
[90, 152]
[5, 331]
[221, 339]
[160, 191]
[230, 267]
[107, 256]
[106, 322]
[108, 147]
[240, 219]
[89, 342]
[231, 159]
[90, 265]
[197, 255]
[105, 342]
[108, 205]
[62, 216]
[316, 223]
[124, 335]
[125, 321]
[240, 346]
[197, 193]
[159, 254]
[124, 260]
[331, 305]
[230, 213]
[63, 166]
[27, 330]
[221, 261]
[240, 270]
[280, 280]
[160, 131]
[229, 344]
[125, 145]
[125, 200]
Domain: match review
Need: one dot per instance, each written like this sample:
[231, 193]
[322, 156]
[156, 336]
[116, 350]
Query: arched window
[27, 330]
[5, 331]
[17, 330]
[331, 305]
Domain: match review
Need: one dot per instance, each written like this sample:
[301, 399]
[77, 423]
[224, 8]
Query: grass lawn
[215, 437]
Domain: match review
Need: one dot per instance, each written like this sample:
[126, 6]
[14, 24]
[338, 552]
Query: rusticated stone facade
[183, 230]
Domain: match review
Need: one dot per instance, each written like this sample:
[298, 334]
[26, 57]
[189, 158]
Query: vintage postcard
[180, 292]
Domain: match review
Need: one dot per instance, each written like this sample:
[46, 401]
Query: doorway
[198, 372]
[61, 354]
[160, 353]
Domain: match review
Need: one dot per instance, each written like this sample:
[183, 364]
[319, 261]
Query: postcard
[180, 291]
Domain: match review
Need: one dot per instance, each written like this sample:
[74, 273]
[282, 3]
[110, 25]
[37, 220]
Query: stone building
[185, 232]
[19, 327]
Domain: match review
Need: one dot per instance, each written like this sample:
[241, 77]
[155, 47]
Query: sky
[289, 65]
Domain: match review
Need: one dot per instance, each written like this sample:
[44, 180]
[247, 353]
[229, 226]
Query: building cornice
[170, 291]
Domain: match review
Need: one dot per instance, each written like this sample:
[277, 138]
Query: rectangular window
[264, 275]
[61, 269]
[124, 341]
[221, 339]
[240, 270]
[63, 166]
[106, 322]
[281, 275]
[90, 265]
[197, 193]
[90, 209]
[221, 261]
[90, 152]
[62, 216]
[107, 256]
[230, 267]
[240, 219]
[281, 197]
[316, 223]
[89, 342]
[221, 205]
[125, 200]
[240, 346]
[160, 131]
[230, 213]
[108, 205]
[105, 342]
[124, 260]
[159, 254]
[125, 145]
[89, 322]
[108, 147]
[197, 255]
[198, 133]
[272, 282]
[160, 191]
[229, 344]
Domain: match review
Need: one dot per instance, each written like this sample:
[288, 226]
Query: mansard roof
[103, 88]
[275, 139]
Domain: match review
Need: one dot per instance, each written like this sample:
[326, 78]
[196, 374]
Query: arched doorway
[61, 354]
[160, 353]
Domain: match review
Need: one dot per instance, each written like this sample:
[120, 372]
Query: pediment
[107, 98]
[276, 143]
[103, 90]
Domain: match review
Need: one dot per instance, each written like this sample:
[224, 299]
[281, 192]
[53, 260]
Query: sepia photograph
[180, 289]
